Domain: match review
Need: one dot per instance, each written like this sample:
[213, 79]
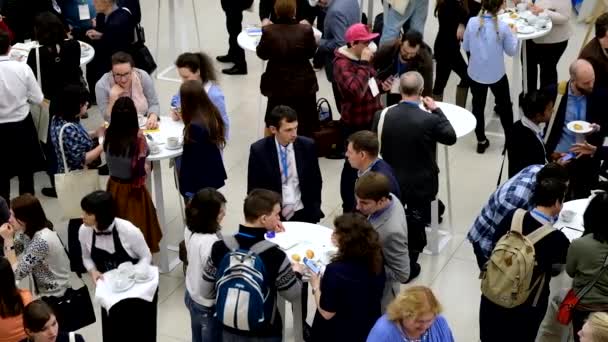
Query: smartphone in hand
[312, 266]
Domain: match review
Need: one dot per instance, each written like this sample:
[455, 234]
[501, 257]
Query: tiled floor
[452, 274]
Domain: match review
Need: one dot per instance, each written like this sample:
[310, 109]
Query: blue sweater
[387, 331]
[217, 98]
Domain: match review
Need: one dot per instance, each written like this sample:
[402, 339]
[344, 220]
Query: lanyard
[542, 216]
[246, 235]
[283, 154]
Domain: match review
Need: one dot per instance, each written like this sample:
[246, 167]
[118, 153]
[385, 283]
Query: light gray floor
[453, 274]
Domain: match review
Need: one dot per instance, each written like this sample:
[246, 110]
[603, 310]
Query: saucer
[173, 148]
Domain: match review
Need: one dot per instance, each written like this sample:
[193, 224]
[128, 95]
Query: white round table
[20, 52]
[167, 128]
[575, 227]
[516, 85]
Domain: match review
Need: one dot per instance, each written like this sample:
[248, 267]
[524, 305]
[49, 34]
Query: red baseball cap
[359, 33]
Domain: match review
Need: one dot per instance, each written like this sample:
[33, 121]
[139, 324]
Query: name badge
[83, 12]
[373, 87]
[395, 86]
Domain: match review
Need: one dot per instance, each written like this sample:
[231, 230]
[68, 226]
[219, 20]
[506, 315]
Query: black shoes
[49, 192]
[224, 59]
[235, 70]
[482, 146]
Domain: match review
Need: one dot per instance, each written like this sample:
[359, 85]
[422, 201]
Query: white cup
[172, 142]
[567, 215]
[154, 148]
[141, 120]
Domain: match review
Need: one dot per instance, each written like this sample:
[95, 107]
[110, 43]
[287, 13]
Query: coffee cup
[521, 7]
[567, 215]
[141, 120]
[154, 148]
[172, 142]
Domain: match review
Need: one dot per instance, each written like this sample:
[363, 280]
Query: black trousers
[337, 96]
[544, 57]
[26, 185]
[446, 63]
[131, 319]
[503, 106]
[524, 320]
[234, 18]
[349, 176]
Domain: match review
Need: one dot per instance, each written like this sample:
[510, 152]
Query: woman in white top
[544, 53]
[204, 214]
[32, 247]
[107, 242]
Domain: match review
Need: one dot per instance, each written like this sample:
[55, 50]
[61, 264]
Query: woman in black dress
[453, 16]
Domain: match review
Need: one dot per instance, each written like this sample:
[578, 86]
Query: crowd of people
[386, 97]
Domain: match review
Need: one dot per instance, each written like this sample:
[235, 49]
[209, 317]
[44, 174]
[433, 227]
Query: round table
[297, 238]
[20, 52]
[167, 128]
[575, 227]
[516, 86]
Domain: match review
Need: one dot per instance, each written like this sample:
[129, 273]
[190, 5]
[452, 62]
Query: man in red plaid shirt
[354, 75]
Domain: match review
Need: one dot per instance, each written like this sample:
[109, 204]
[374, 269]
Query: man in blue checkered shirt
[515, 193]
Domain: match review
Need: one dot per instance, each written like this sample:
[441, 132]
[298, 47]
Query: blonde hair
[285, 8]
[412, 303]
[490, 7]
[598, 321]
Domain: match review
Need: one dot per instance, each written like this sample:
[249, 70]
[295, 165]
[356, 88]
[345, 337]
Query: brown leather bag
[328, 138]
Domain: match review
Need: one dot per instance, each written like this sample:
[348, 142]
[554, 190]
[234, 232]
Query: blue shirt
[69, 9]
[576, 109]
[217, 98]
[76, 144]
[387, 331]
[487, 62]
[514, 194]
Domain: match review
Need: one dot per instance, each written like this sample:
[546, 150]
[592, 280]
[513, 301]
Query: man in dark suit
[362, 155]
[584, 101]
[234, 18]
[287, 164]
[408, 141]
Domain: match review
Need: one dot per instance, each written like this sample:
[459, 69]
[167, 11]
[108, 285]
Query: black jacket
[524, 149]
[303, 11]
[264, 172]
[409, 144]
[118, 34]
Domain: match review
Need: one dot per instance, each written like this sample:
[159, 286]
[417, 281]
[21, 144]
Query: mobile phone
[312, 265]
[567, 157]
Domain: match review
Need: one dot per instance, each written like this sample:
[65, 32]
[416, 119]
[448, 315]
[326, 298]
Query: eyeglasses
[121, 76]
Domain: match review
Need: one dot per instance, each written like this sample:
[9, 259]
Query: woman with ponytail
[488, 39]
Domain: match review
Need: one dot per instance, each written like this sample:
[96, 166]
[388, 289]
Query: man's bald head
[411, 84]
[582, 76]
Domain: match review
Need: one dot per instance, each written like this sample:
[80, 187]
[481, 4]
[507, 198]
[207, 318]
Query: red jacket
[352, 78]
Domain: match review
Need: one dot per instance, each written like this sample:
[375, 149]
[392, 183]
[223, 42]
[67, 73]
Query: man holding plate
[578, 119]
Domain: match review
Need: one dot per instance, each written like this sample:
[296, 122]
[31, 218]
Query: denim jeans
[204, 324]
[416, 12]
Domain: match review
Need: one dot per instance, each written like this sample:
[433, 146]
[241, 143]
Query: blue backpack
[244, 299]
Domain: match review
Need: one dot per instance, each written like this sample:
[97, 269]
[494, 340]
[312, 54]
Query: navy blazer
[264, 172]
[382, 167]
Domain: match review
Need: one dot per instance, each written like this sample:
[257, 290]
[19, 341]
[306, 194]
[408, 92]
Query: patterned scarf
[138, 161]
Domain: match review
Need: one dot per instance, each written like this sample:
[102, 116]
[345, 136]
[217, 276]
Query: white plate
[525, 29]
[586, 127]
[111, 276]
[145, 280]
[173, 148]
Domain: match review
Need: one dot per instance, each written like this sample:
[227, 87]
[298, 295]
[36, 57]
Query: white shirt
[18, 86]
[291, 186]
[130, 237]
[199, 248]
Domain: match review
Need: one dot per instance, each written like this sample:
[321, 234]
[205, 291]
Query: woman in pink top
[12, 303]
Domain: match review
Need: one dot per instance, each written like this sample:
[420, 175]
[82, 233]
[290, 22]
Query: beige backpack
[507, 278]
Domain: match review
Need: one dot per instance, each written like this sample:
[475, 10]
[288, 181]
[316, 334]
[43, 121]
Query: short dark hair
[280, 113]
[122, 57]
[5, 42]
[413, 38]
[594, 217]
[548, 191]
[49, 29]
[101, 204]
[601, 26]
[366, 141]
[373, 186]
[27, 208]
[36, 314]
[202, 211]
[67, 105]
[553, 170]
[535, 102]
[260, 202]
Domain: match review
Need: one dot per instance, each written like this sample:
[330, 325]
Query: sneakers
[482, 146]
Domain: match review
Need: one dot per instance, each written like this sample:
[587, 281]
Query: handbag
[564, 314]
[72, 186]
[139, 51]
[328, 138]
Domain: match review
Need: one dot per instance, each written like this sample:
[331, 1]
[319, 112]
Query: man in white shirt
[18, 135]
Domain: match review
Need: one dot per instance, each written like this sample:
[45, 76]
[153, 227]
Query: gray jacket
[392, 229]
[104, 85]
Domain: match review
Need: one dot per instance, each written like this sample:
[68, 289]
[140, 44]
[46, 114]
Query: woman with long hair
[488, 39]
[452, 16]
[126, 151]
[37, 249]
[349, 293]
[204, 214]
[12, 303]
[204, 137]
[40, 324]
[197, 66]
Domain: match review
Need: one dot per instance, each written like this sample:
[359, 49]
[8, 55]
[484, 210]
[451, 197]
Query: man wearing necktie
[287, 164]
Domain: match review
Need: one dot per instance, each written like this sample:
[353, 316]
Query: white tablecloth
[106, 297]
